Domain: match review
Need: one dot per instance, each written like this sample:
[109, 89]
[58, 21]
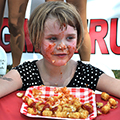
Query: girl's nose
[61, 46]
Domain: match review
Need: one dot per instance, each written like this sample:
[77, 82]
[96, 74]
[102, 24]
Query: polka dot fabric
[29, 74]
[85, 76]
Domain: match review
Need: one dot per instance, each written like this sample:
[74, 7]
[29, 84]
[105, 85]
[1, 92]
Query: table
[10, 109]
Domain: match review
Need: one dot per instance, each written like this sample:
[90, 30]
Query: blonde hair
[64, 12]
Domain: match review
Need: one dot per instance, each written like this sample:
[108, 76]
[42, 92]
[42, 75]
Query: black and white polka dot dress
[85, 76]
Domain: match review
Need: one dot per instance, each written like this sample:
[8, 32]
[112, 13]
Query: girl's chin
[59, 63]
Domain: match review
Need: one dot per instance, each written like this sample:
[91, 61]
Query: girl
[85, 49]
[56, 32]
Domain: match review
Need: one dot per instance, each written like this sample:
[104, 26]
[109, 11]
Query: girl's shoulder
[27, 65]
[86, 66]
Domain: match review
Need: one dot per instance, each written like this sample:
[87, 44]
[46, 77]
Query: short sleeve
[86, 75]
[29, 74]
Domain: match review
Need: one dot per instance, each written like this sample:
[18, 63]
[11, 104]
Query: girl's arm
[109, 85]
[10, 82]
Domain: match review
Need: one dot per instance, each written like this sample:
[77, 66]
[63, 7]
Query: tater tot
[113, 102]
[32, 111]
[75, 115]
[19, 94]
[99, 104]
[61, 114]
[73, 108]
[105, 96]
[47, 113]
[88, 107]
[59, 108]
[105, 109]
[63, 105]
[66, 109]
[30, 102]
[83, 114]
[40, 107]
[25, 99]
[37, 104]
[77, 103]
[99, 113]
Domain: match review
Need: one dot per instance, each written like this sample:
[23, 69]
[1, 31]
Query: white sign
[103, 25]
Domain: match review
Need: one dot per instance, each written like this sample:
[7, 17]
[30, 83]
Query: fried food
[19, 94]
[105, 96]
[32, 111]
[105, 109]
[99, 113]
[88, 107]
[83, 113]
[65, 105]
[75, 115]
[99, 104]
[113, 102]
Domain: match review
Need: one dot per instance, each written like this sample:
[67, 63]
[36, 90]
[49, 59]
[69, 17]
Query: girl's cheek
[47, 50]
[48, 47]
[72, 47]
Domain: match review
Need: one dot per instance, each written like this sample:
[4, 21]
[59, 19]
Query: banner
[103, 26]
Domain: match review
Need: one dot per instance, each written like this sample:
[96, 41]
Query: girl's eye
[52, 38]
[70, 38]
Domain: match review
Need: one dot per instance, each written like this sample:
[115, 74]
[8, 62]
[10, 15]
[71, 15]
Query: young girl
[56, 32]
[85, 49]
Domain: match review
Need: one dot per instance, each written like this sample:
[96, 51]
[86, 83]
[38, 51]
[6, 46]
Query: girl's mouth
[61, 55]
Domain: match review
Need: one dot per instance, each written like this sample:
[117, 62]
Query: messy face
[58, 45]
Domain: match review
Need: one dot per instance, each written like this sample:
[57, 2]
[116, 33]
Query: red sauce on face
[64, 25]
[62, 35]
[50, 46]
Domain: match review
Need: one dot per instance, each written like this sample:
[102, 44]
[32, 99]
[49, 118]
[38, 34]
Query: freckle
[61, 73]
[53, 61]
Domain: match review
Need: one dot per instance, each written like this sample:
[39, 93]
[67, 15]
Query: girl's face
[58, 46]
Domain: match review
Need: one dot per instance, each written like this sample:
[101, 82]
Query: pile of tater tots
[65, 105]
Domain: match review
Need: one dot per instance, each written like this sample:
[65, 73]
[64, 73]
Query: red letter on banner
[98, 35]
[6, 38]
[113, 36]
